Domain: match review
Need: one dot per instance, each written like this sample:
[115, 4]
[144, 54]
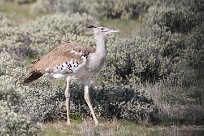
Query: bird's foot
[68, 123]
[96, 123]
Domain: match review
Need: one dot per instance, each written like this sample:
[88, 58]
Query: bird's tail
[32, 76]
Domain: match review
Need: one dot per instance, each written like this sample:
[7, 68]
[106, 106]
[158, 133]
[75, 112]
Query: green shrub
[195, 50]
[149, 54]
[177, 20]
[50, 6]
[10, 73]
[45, 6]
[160, 50]
[122, 9]
[24, 1]
[19, 1]
[5, 22]
[40, 36]
[112, 101]
[177, 15]
[42, 102]
[12, 123]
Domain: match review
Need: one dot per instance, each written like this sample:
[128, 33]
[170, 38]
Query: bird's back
[65, 59]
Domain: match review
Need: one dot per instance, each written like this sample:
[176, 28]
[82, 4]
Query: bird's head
[102, 31]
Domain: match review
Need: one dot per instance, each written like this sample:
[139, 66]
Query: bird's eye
[102, 28]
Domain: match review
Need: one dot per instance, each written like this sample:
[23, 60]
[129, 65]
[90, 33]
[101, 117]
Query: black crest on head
[91, 26]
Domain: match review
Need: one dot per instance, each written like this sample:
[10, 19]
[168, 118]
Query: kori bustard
[73, 61]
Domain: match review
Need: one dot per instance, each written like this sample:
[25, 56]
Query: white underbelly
[79, 74]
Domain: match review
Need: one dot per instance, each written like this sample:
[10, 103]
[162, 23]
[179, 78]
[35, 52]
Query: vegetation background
[153, 83]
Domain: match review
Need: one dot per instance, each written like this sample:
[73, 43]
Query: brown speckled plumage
[58, 56]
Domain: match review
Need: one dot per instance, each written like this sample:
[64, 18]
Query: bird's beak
[112, 31]
[115, 31]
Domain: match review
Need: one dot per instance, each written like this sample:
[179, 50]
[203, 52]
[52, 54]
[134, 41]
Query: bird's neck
[96, 60]
[100, 45]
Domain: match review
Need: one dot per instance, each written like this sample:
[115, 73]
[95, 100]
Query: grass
[18, 13]
[126, 26]
[22, 13]
[118, 128]
[88, 129]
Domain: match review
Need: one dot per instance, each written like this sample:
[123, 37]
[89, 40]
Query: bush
[45, 6]
[178, 15]
[122, 9]
[111, 101]
[148, 55]
[43, 102]
[159, 50]
[24, 1]
[5, 22]
[12, 123]
[36, 101]
[40, 36]
[52, 6]
[19, 1]
[195, 43]
[177, 20]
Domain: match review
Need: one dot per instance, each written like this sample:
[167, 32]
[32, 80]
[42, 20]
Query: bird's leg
[88, 101]
[67, 96]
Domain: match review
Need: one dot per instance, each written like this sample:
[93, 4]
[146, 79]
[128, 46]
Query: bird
[73, 61]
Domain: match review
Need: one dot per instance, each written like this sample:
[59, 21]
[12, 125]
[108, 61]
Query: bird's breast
[95, 63]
